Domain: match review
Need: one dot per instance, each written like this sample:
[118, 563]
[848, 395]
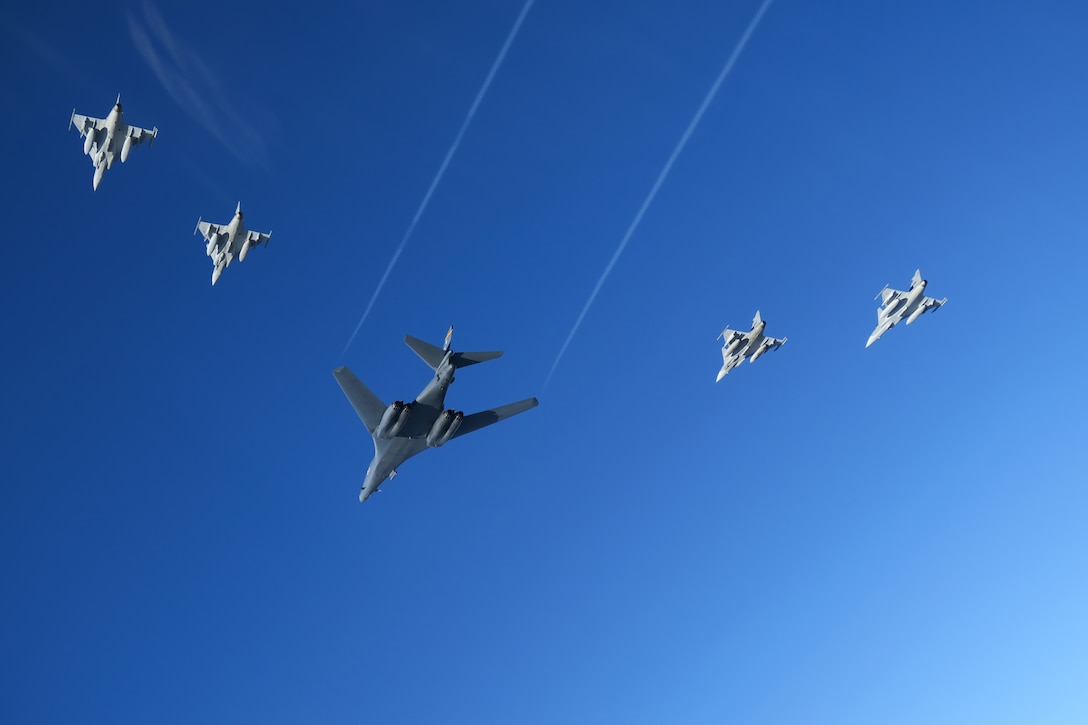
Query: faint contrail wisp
[442, 169]
[661, 178]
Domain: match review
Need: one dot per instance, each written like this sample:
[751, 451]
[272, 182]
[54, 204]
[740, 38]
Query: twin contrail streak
[661, 178]
[442, 168]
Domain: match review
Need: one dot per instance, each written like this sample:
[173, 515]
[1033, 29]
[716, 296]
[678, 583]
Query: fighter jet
[107, 137]
[741, 345]
[898, 305]
[225, 242]
[401, 430]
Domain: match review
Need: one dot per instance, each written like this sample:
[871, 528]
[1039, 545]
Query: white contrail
[442, 168]
[661, 178]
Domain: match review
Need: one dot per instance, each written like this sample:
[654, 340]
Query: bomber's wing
[476, 421]
[368, 405]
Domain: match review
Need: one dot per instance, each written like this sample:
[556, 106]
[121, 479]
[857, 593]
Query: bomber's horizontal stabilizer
[464, 359]
[433, 355]
[427, 352]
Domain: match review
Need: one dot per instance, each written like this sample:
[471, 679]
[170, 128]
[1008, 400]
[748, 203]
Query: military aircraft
[741, 345]
[401, 430]
[107, 137]
[898, 305]
[227, 241]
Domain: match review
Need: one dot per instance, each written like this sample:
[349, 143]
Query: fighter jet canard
[109, 137]
[230, 240]
[740, 345]
[401, 430]
[898, 305]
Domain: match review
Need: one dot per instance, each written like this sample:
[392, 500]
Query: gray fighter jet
[401, 430]
[109, 137]
[898, 305]
[227, 241]
[741, 345]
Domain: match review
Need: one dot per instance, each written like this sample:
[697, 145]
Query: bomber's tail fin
[433, 355]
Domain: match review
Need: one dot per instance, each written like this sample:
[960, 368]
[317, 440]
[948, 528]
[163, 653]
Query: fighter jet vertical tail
[756, 320]
[916, 278]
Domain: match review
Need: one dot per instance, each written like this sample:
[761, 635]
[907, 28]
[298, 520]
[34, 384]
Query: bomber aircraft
[741, 345]
[401, 430]
[227, 241]
[109, 137]
[898, 305]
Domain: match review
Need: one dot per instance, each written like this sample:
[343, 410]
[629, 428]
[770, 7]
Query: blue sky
[832, 535]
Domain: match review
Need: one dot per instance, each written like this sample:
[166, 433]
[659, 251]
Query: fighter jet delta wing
[85, 124]
[207, 229]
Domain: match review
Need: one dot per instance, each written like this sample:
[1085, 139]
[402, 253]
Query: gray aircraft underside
[401, 430]
[230, 241]
[109, 138]
[897, 305]
[750, 345]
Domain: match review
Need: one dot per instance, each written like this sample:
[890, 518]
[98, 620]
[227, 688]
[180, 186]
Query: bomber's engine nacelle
[126, 148]
[88, 143]
[393, 419]
[444, 428]
[916, 314]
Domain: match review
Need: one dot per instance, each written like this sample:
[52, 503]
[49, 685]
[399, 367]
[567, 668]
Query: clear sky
[831, 535]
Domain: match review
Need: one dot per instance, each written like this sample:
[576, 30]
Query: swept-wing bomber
[228, 241]
[109, 137]
[897, 305]
[740, 345]
[401, 430]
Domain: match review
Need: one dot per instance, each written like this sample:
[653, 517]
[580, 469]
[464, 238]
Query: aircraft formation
[402, 429]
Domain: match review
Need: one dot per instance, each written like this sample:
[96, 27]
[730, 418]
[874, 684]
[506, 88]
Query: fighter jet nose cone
[872, 339]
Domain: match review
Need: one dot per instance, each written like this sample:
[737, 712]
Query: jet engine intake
[394, 419]
[444, 428]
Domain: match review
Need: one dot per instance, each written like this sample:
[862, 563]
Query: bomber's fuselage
[389, 453]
